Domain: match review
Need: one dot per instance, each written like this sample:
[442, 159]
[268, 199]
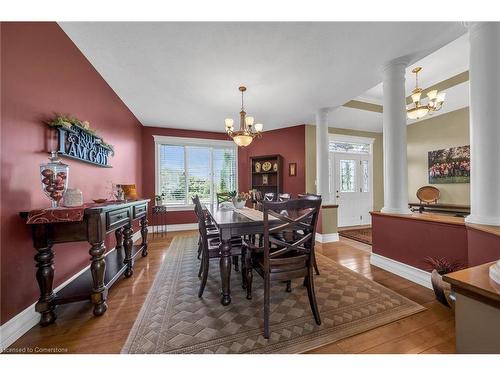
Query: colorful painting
[450, 165]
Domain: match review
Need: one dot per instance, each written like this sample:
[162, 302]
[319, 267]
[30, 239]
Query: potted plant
[442, 289]
[239, 199]
[159, 199]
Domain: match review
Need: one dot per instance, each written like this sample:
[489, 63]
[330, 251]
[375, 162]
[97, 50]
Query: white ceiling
[446, 62]
[440, 65]
[185, 75]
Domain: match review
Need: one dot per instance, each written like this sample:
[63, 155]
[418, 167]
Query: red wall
[482, 247]
[410, 241]
[290, 144]
[148, 164]
[44, 72]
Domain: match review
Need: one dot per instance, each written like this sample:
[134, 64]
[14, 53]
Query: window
[188, 166]
[351, 147]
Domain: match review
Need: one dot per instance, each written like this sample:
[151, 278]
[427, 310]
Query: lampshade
[229, 123]
[416, 97]
[440, 97]
[432, 94]
[242, 140]
[258, 127]
[416, 113]
[249, 120]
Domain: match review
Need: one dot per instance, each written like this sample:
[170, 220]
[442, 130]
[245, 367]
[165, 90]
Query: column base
[398, 211]
[484, 220]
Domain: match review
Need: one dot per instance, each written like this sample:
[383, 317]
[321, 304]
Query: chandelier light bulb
[249, 120]
[258, 127]
[432, 94]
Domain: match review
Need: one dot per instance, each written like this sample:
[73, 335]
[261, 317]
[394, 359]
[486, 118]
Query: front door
[352, 188]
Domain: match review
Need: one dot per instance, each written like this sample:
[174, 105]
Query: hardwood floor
[77, 331]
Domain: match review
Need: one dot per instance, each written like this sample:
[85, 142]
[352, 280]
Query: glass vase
[54, 178]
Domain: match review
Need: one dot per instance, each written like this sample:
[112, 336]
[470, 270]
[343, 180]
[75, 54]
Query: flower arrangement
[443, 265]
[442, 289]
[240, 197]
[68, 122]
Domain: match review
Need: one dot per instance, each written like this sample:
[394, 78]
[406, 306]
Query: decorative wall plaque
[78, 143]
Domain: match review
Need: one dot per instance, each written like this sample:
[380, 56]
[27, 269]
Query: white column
[322, 169]
[484, 122]
[394, 134]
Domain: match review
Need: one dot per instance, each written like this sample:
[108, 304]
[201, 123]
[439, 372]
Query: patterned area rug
[174, 320]
[362, 235]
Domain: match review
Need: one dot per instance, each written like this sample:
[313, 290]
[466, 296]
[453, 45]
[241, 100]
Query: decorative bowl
[101, 200]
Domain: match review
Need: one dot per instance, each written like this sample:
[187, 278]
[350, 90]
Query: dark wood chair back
[284, 197]
[223, 197]
[202, 226]
[309, 196]
[289, 238]
[268, 197]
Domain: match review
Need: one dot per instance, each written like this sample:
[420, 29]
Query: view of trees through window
[185, 171]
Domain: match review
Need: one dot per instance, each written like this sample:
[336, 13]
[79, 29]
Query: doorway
[351, 179]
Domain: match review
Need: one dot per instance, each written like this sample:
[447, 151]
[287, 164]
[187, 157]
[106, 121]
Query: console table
[90, 223]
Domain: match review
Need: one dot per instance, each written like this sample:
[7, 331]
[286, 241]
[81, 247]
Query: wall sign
[78, 143]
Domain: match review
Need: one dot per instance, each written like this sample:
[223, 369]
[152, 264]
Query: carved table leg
[225, 271]
[45, 276]
[144, 234]
[127, 245]
[98, 269]
[119, 237]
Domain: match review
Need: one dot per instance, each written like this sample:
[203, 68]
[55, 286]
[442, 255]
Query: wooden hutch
[265, 179]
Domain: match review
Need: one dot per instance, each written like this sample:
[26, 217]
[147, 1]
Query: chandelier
[248, 131]
[418, 109]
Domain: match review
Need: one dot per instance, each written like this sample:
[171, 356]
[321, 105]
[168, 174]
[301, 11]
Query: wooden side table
[477, 310]
[91, 224]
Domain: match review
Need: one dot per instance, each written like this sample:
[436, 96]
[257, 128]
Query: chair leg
[312, 296]
[289, 286]
[313, 256]
[199, 248]
[200, 271]
[235, 262]
[267, 291]
[205, 263]
[243, 268]
[249, 276]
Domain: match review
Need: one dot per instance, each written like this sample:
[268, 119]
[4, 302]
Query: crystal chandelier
[418, 109]
[248, 131]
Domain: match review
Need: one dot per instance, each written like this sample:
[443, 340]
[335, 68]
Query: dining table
[232, 222]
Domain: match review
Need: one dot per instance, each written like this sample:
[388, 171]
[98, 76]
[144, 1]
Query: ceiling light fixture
[417, 109]
[248, 131]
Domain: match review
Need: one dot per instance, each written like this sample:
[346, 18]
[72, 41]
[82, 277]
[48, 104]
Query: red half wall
[43, 72]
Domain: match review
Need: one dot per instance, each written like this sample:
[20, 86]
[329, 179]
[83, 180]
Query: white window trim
[187, 141]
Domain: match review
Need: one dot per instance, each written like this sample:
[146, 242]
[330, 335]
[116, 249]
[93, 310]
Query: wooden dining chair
[223, 197]
[210, 245]
[284, 257]
[284, 197]
[268, 197]
[312, 197]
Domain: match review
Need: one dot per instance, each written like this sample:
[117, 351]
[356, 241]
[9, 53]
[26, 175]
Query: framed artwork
[292, 169]
[449, 165]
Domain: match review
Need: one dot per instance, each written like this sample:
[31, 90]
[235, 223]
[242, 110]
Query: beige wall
[378, 164]
[448, 130]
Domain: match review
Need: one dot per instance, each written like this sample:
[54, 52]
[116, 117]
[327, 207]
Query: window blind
[186, 170]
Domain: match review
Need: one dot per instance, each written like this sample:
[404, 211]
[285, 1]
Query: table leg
[45, 276]
[98, 269]
[225, 270]
[127, 245]
[144, 234]
[119, 237]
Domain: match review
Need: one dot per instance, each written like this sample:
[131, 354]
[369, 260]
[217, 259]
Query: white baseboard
[411, 273]
[327, 237]
[17, 326]
[172, 227]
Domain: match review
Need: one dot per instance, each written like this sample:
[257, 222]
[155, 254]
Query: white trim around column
[327, 237]
[411, 273]
[17, 326]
